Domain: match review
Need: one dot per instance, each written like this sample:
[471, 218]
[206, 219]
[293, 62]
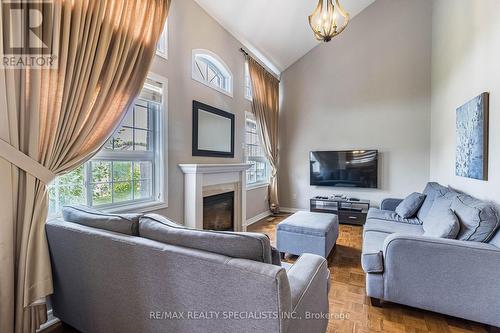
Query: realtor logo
[27, 40]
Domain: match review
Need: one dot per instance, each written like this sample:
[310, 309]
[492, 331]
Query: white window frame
[161, 160]
[160, 163]
[219, 64]
[247, 83]
[251, 186]
[164, 38]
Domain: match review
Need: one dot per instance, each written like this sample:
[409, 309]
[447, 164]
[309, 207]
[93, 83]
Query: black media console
[349, 211]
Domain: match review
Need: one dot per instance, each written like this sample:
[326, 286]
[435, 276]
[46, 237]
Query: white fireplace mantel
[214, 168]
[201, 180]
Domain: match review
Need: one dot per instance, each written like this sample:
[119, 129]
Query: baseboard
[258, 217]
[291, 210]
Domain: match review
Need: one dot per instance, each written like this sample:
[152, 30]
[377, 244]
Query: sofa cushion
[372, 259]
[275, 256]
[478, 219]
[309, 223]
[409, 207]
[495, 239]
[431, 191]
[245, 245]
[389, 215]
[442, 223]
[440, 204]
[123, 223]
[389, 227]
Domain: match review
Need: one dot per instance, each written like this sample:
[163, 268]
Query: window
[162, 46]
[248, 83]
[210, 70]
[129, 171]
[258, 174]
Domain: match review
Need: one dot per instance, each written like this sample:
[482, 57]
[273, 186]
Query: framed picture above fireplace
[213, 131]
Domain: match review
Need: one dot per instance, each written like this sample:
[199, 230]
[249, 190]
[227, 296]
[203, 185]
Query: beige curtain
[265, 107]
[54, 119]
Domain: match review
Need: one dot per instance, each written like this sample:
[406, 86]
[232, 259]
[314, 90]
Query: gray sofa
[111, 276]
[457, 277]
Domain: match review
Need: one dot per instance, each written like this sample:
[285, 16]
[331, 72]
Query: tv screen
[355, 168]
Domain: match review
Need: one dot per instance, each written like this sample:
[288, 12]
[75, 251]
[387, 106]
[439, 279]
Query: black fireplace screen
[218, 212]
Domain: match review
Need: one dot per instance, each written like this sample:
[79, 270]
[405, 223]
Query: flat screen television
[353, 168]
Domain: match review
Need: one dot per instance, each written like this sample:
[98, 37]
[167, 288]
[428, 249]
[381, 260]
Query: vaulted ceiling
[274, 30]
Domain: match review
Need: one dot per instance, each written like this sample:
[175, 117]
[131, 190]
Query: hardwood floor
[348, 300]
[347, 295]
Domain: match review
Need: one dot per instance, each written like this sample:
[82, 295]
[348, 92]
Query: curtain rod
[245, 53]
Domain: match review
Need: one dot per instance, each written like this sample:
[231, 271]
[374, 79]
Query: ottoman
[307, 232]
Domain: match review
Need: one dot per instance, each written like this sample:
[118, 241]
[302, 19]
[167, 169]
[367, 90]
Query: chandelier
[328, 20]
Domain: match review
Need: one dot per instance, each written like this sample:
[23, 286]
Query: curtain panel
[265, 107]
[54, 118]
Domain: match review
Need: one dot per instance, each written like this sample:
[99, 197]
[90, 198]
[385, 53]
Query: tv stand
[348, 211]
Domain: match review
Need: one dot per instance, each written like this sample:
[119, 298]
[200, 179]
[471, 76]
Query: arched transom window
[210, 70]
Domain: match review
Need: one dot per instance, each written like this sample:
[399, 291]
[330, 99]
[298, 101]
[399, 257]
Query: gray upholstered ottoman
[307, 232]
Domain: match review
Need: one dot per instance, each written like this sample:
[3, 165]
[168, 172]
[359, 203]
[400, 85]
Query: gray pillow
[432, 191]
[478, 219]
[441, 223]
[123, 223]
[409, 207]
[245, 245]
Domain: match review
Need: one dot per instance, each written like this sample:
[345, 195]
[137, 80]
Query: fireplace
[218, 212]
[205, 180]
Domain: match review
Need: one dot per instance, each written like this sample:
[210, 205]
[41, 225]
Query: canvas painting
[472, 139]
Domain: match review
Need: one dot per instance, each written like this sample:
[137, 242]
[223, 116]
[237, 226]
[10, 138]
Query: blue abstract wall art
[472, 138]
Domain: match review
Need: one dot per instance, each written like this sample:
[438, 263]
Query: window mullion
[133, 125]
[137, 155]
[88, 183]
[57, 191]
[133, 181]
[112, 187]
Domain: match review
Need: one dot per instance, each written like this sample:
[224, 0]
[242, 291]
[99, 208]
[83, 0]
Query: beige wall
[191, 28]
[367, 89]
[466, 62]
[257, 201]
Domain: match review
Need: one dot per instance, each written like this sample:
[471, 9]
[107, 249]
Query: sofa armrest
[309, 280]
[390, 204]
[454, 277]
[275, 256]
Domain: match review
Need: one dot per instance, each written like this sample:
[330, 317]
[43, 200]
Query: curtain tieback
[23, 161]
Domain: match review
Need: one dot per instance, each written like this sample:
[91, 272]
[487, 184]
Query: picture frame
[213, 131]
[472, 131]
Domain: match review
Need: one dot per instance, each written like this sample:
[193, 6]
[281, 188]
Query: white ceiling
[276, 31]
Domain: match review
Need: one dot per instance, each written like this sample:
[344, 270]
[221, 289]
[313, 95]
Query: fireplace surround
[205, 180]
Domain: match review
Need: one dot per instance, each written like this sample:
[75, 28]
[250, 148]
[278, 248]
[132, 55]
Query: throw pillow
[409, 207]
[478, 219]
[245, 245]
[123, 223]
[441, 221]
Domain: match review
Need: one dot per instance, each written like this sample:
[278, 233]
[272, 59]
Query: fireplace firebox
[218, 212]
